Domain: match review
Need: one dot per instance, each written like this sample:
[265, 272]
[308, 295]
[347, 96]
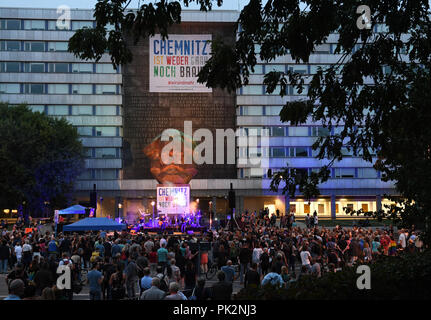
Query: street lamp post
[211, 212]
[119, 207]
[153, 203]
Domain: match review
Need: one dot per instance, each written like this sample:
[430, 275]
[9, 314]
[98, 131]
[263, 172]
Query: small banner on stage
[173, 199]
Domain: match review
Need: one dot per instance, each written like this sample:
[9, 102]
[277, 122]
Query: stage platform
[169, 230]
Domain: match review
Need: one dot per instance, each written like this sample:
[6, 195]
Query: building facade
[117, 115]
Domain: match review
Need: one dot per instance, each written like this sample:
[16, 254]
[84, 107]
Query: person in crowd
[16, 290]
[174, 292]
[154, 292]
[229, 271]
[47, 294]
[222, 290]
[4, 257]
[95, 279]
[273, 278]
[117, 282]
[146, 280]
[252, 277]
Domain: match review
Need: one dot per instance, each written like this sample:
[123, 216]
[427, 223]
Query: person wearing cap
[16, 290]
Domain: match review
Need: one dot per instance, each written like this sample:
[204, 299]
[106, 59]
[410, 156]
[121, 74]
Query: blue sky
[89, 4]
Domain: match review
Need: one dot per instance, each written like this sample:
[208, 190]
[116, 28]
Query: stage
[168, 229]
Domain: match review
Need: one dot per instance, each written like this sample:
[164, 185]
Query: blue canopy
[94, 224]
[76, 209]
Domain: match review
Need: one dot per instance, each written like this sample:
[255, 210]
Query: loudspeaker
[93, 199]
[231, 199]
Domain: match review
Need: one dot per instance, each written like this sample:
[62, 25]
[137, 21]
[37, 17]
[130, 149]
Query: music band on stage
[175, 222]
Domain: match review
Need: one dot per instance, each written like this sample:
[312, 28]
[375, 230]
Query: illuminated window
[321, 208]
[306, 208]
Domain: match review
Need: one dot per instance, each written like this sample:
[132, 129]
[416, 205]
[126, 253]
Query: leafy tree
[378, 91]
[40, 158]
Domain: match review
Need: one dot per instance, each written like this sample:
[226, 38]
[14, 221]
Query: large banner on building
[176, 61]
[173, 199]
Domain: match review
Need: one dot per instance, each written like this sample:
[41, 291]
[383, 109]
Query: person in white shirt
[163, 241]
[18, 252]
[306, 258]
[402, 239]
[257, 252]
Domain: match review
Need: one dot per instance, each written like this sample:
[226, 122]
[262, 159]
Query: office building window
[298, 131]
[59, 67]
[10, 24]
[9, 88]
[255, 131]
[258, 69]
[37, 108]
[82, 89]
[34, 46]
[88, 152]
[276, 91]
[275, 67]
[367, 173]
[346, 152]
[101, 174]
[106, 89]
[85, 175]
[58, 110]
[82, 110]
[273, 110]
[34, 88]
[105, 152]
[106, 110]
[57, 46]
[37, 67]
[52, 25]
[252, 89]
[81, 24]
[9, 66]
[85, 131]
[105, 68]
[106, 131]
[34, 24]
[344, 172]
[82, 67]
[278, 152]
[298, 152]
[252, 111]
[320, 132]
[277, 131]
[109, 174]
[322, 48]
[10, 46]
[315, 67]
[58, 88]
[299, 68]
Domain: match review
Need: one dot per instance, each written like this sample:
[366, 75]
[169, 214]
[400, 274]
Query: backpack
[163, 284]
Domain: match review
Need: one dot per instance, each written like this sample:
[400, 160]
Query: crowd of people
[255, 251]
